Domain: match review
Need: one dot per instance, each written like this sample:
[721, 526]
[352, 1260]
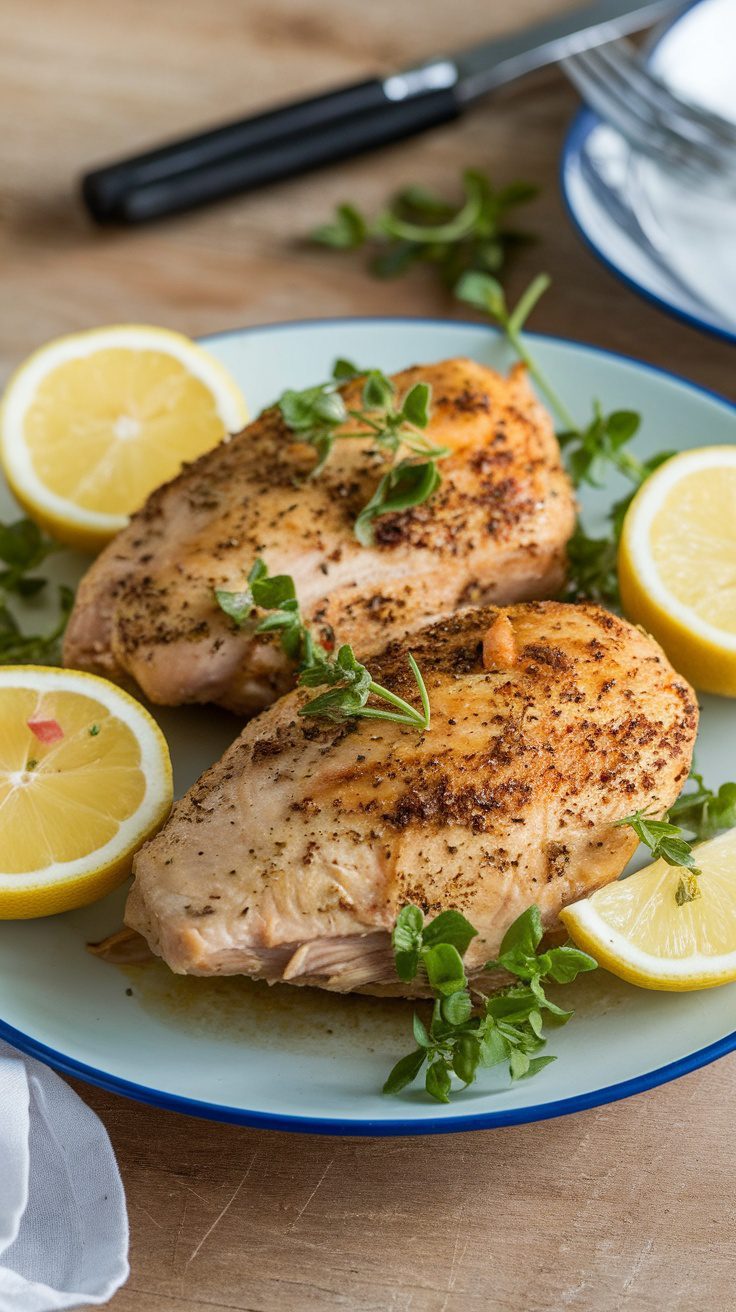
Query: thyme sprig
[465, 1034]
[698, 811]
[350, 684]
[486, 293]
[590, 451]
[665, 841]
[418, 226]
[318, 415]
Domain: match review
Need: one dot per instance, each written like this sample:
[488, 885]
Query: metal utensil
[342, 123]
[616, 82]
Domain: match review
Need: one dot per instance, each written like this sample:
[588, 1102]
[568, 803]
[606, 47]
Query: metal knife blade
[479, 69]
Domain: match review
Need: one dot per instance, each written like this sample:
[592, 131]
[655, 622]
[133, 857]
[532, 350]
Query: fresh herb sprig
[23, 549]
[420, 227]
[318, 415]
[698, 811]
[590, 452]
[603, 445]
[486, 293]
[593, 561]
[349, 683]
[702, 812]
[464, 1034]
[665, 841]
[468, 244]
[275, 593]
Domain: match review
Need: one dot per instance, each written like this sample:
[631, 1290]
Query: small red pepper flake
[47, 731]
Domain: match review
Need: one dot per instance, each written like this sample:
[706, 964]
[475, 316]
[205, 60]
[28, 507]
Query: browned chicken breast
[495, 531]
[291, 857]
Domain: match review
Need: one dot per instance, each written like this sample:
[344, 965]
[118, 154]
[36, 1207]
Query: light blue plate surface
[304, 1060]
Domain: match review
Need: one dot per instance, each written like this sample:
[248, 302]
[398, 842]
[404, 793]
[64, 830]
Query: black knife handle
[278, 144]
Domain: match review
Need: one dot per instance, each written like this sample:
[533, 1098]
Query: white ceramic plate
[674, 246]
[305, 1060]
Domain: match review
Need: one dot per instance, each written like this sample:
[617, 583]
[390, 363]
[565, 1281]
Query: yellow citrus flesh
[85, 778]
[637, 930]
[92, 423]
[677, 564]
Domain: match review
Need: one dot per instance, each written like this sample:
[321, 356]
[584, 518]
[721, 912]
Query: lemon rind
[21, 388]
[636, 537]
[616, 953]
[155, 768]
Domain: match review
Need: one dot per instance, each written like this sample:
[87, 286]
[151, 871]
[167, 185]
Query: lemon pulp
[636, 928]
[85, 777]
[693, 537]
[92, 423]
[677, 564]
[101, 428]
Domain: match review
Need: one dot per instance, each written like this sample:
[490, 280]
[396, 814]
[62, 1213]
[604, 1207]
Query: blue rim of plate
[402, 1126]
[584, 122]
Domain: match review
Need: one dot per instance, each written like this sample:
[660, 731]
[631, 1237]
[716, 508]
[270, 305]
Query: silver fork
[617, 83]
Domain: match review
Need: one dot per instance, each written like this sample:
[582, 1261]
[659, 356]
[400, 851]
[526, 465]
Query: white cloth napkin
[63, 1221]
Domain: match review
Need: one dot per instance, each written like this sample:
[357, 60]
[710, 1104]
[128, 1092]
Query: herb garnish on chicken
[320, 416]
[350, 683]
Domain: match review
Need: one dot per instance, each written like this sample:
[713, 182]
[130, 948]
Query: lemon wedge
[85, 777]
[677, 564]
[637, 930]
[93, 422]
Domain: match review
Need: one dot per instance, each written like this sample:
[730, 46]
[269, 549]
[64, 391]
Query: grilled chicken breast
[291, 857]
[495, 531]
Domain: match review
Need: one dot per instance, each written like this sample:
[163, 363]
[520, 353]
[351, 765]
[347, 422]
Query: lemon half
[85, 778]
[636, 929]
[93, 422]
[677, 564]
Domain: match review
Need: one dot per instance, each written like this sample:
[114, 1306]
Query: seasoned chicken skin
[495, 531]
[291, 857]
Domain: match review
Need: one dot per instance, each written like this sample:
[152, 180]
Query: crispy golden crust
[291, 857]
[495, 531]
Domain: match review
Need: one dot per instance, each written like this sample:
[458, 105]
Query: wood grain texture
[629, 1207]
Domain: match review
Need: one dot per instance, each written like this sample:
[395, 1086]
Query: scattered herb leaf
[349, 683]
[702, 812]
[418, 226]
[406, 484]
[18, 648]
[665, 841]
[487, 294]
[506, 1027]
[591, 451]
[22, 549]
[319, 416]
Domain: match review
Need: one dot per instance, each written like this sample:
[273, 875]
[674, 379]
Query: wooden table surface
[628, 1207]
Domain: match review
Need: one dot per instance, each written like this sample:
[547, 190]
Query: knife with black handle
[338, 124]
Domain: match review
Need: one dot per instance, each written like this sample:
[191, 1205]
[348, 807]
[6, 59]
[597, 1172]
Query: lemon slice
[92, 423]
[677, 564]
[636, 929]
[85, 777]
